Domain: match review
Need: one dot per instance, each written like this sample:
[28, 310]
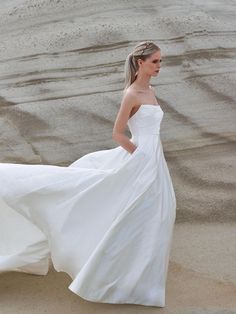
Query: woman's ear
[139, 62]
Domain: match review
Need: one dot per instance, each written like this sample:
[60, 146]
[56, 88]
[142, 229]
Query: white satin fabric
[106, 220]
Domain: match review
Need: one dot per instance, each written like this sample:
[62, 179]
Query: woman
[107, 219]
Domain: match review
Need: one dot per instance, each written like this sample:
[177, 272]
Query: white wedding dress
[106, 220]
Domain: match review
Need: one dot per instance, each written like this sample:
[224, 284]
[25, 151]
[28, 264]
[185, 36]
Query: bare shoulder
[127, 103]
[129, 99]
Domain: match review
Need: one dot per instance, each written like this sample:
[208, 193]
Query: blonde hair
[141, 51]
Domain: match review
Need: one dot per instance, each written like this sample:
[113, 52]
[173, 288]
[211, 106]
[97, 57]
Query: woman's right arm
[118, 134]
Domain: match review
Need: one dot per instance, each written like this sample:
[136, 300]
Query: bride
[107, 219]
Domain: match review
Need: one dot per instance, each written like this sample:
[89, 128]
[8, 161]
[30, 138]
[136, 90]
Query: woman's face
[151, 66]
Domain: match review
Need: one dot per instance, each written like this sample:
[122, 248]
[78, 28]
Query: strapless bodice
[146, 121]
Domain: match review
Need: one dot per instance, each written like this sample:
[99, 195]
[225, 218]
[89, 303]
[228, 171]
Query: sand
[61, 65]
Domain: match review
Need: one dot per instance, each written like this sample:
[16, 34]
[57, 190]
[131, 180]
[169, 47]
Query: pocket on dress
[139, 151]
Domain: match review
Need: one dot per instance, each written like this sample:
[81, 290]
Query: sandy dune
[61, 67]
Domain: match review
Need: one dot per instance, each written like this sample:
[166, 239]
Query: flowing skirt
[106, 220]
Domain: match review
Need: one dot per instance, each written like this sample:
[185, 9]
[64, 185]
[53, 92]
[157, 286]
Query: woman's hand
[134, 150]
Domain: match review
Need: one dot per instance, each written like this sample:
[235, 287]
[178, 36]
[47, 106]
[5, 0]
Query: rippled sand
[61, 67]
